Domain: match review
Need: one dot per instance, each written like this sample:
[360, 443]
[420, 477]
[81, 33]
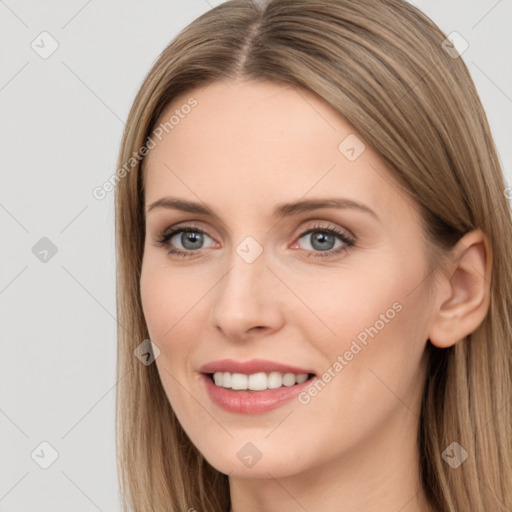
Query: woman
[312, 230]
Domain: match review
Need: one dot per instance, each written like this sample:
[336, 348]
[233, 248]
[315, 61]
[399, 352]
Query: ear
[464, 292]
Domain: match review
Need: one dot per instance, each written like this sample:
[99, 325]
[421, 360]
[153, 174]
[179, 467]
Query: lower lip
[252, 402]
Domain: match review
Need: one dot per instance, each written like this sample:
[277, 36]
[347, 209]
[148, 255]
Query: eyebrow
[281, 211]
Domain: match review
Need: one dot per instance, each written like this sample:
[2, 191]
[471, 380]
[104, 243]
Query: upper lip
[250, 367]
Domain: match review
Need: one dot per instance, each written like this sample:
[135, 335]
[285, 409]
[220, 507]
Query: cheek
[175, 306]
[375, 314]
[168, 312]
[338, 303]
[153, 298]
[167, 297]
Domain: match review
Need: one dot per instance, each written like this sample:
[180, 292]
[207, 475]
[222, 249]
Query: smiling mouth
[260, 381]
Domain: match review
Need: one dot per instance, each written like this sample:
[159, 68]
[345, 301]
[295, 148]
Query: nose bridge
[245, 298]
[247, 267]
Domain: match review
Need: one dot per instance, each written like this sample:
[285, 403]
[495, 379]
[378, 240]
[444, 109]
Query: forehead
[235, 115]
[242, 140]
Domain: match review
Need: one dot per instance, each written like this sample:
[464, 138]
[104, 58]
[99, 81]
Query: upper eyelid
[298, 232]
[309, 214]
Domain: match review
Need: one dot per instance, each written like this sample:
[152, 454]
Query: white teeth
[303, 377]
[226, 379]
[288, 379]
[275, 380]
[257, 381]
[239, 381]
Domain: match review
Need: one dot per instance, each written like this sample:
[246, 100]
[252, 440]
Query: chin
[249, 462]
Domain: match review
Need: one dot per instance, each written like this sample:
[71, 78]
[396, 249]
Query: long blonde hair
[382, 65]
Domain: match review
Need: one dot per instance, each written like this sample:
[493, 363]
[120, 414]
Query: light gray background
[60, 128]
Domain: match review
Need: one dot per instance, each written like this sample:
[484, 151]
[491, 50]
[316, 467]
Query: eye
[322, 241]
[186, 240]
[190, 238]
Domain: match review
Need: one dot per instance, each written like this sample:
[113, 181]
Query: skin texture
[245, 148]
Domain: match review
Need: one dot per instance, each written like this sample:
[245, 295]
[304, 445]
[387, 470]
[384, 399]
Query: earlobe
[464, 293]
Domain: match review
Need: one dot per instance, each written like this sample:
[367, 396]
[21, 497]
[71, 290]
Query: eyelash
[166, 235]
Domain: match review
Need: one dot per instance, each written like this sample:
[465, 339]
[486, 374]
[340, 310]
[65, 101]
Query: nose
[247, 301]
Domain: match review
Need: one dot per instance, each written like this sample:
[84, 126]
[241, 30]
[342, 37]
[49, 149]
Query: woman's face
[334, 290]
